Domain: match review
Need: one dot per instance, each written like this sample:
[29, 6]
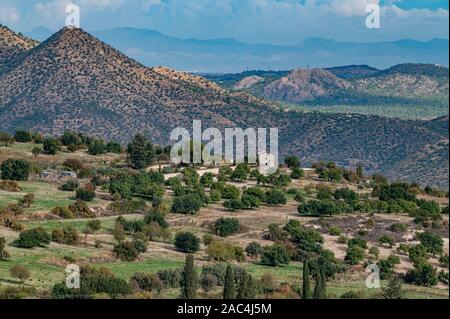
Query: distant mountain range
[75, 81]
[409, 84]
[153, 48]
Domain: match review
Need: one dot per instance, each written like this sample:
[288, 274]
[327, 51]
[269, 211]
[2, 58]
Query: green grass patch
[79, 224]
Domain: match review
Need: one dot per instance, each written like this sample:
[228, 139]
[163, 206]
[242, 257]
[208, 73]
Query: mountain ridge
[74, 81]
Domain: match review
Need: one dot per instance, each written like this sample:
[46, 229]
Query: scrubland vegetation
[139, 227]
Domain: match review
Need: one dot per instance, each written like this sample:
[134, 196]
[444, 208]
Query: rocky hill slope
[74, 81]
[12, 44]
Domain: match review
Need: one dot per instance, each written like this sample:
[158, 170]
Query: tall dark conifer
[306, 291]
[189, 280]
[228, 289]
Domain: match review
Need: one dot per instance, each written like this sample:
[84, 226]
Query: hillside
[407, 81]
[301, 85]
[407, 91]
[74, 81]
[352, 71]
[13, 44]
[354, 84]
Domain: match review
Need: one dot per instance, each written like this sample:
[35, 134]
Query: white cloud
[269, 21]
[8, 15]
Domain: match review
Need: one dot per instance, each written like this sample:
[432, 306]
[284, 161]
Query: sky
[253, 21]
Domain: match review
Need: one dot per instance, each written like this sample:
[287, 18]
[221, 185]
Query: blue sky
[254, 21]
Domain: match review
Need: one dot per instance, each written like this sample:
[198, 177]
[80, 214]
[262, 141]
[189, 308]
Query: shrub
[215, 196]
[97, 147]
[275, 255]
[170, 277]
[3, 253]
[94, 225]
[292, 161]
[342, 240]
[443, 260]
[403, 248]
[374, 251]
[239, 254]
[346, 194]
[85, 194]
[208, 281]
[10, 186]
[250, 201]
[66, 236]
[51, 146]
[443, 277]
[27, 200]
[140, 245]
[254, 249]
[23, 136]
[113, 147]
[190, 176]
[423, 274]
[257, 192]
[63, 212]
[81, 210]
[188, 204]
[36, 237]
[6, 139]
[15, 170]
[233, 204]
[20, 272]
[276, 233]
[240, 173]
[208, 239]
[224, 173]
[357, 242]
[73, 164]
[156, 217]
[70, 186]
[335, 231]
[187, 242]
[226, 226]
[322, 207]
[355, 254]
[230, 192]
[387, 266]
[221, 251]
[275, 197]
[95, 281]
[140, 152]
[418, 254]
[297, 173]
[433, 243]
[398, 228]
[280, 180]
[387, 240]
[148, 282]
[126, 251]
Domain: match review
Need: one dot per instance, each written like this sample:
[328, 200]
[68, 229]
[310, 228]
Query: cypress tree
[323, 294]
[320, 289]
[243, 291]
[251, 288]
[189, 280]
[228, 289]
[306, 292]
